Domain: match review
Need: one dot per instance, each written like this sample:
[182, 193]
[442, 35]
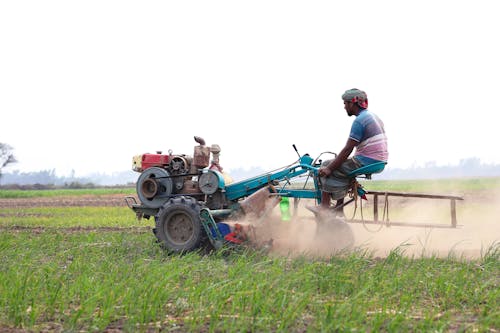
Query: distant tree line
[6, 157]
[49, 178]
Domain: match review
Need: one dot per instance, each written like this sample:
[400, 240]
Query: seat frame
[368, 170]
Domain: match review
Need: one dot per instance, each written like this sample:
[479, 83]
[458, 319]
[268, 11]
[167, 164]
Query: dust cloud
[478, 230]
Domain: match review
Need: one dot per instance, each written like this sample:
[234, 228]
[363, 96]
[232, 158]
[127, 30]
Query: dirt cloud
[478, 219]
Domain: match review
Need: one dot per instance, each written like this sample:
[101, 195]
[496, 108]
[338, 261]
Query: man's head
[354, 101]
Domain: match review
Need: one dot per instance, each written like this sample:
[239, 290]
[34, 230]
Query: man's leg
[339, 207]
[339, 183]
[324, 206]
[335, 186]
[325, 199]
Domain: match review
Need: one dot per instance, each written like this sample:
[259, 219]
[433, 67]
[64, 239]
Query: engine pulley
[154, 187]
[208, 182]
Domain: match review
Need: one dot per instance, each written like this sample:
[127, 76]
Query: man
[367, 136]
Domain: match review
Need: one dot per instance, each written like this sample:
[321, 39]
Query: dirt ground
[478, 219]
[62, 201]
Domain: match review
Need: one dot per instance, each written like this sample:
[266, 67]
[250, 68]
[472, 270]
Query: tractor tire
[335, 232]
[178, 225]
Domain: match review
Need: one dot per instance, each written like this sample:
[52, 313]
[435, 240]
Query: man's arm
[341, 157]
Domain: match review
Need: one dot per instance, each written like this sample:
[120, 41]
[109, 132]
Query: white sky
[85, 85]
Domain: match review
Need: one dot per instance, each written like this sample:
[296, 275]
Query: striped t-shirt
[368, 130]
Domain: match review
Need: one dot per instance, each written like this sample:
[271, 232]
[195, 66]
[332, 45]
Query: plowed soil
[62, 201]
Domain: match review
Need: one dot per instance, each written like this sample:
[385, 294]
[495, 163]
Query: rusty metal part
[154, 186]
[201, 156]
[259, 201]
[179, 164]
[199, 140]
[190, 187]
[149, 188]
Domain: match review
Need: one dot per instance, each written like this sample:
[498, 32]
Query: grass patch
[64, 217]
[98, 280]
[56, 277]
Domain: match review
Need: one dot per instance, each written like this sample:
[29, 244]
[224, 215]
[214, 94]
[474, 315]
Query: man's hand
[324, 171]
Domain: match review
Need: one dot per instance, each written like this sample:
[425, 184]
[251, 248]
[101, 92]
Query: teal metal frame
[244, 188]
[368, 170]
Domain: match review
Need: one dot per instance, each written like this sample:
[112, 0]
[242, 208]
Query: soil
[62, 201]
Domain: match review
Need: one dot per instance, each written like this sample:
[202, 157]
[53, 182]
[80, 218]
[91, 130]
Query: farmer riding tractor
[195, 204]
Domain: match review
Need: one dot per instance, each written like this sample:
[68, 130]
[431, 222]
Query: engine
[163, 176]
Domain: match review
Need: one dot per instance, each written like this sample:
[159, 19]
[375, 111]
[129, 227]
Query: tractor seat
[368, 170]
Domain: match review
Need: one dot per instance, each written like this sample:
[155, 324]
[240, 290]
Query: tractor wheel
[334, 232]
[178, 225]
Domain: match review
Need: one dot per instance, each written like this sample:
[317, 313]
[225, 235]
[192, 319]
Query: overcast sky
[85, 85]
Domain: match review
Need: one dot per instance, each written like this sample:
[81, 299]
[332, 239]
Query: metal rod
[178, 175]
[415, 195]
[452, 199]
[453, 213]
[345, 203]
[405, 224]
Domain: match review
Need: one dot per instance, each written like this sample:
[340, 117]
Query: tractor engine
[166, 175]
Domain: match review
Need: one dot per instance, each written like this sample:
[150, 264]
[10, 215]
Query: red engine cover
[154, 160]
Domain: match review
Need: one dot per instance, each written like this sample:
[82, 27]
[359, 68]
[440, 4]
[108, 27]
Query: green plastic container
[285, 209]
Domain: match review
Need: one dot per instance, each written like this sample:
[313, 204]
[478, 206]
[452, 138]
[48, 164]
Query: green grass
[63, 217]
[57, 277]
[98, 280]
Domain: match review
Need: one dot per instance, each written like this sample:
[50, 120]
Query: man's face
[349, 108]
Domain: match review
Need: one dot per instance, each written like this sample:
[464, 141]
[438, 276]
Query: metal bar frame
[376, 194]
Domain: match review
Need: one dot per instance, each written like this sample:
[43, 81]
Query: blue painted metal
[220, 177]
[368, 169]
[244, 188]
[298, 193]
[210, 226]
[222, 182]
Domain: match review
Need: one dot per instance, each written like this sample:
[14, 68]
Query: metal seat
[368, 170]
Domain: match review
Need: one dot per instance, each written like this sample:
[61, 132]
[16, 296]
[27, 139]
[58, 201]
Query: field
[78, 260]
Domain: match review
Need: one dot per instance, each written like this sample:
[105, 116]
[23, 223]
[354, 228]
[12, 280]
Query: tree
[6, 157]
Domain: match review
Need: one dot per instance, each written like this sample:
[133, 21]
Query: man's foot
[339, 214]
[315, 209]
[338, 210]
[324, 212]
[320, 211]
